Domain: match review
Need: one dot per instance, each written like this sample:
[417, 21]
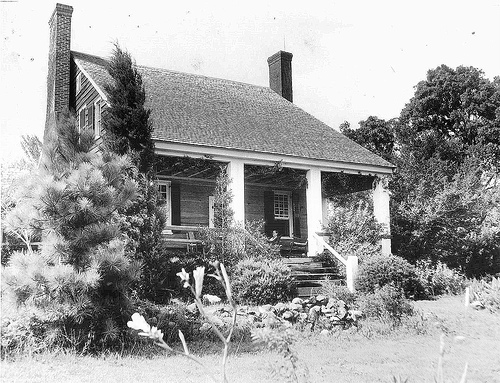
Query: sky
[351, 59]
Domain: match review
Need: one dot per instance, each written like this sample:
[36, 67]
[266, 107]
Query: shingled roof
[193, 109]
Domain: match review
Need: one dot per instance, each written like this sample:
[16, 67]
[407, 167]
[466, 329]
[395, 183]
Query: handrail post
[351, 272]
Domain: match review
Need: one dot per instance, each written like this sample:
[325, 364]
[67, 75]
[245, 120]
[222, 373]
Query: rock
[325, 332]
[211, 299]
[321, 299]
[297, 301]
[341, 303]
[192, 308]
[279, 307]
[295, 306]
[341, 312]
[302, 316]
[477, 305]
[355, 314]
[331, 303]
[313, 314]
[265, 308]
[288, 315]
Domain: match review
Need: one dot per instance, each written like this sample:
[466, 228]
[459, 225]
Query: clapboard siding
[194, 202]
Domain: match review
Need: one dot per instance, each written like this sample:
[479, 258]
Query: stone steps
[309, 273]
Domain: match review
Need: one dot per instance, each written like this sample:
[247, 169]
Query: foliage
[81, 281]
[128, 131]
[354, 230]
[381, 270]
[280, 339]
[262, 282]
[338, 292]
[375, 134]
[138, 322]
[445, 190]
[487, 292]
[439, 279]
[126, 120]
[386, 303]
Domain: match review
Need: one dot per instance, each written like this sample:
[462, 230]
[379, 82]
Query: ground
[470, 336]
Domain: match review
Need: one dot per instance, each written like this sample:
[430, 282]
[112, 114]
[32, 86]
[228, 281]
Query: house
[278, 156]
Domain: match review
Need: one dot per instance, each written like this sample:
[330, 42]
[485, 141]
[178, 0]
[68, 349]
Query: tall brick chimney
[280, 74]
[58, 78]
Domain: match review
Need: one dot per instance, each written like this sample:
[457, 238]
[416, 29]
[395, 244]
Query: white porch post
[381, 198]
[314, 208]
[236, 172]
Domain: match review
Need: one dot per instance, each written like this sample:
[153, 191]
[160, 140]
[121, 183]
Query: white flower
[139, 323]
[156, 334]
[184, 277]
[198, 275]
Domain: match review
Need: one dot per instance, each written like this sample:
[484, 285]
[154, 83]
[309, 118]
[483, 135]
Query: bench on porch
[292, 247]
[182, 237]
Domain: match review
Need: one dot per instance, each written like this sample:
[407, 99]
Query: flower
[198, 275]
[139, 323]
[155, 334]
[184, 277]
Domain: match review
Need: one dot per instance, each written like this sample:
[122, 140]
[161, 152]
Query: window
[78, 83]
[82, 118]
[281, 205]
[97, 118]
[164, 193]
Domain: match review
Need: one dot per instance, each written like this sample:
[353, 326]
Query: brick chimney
[58, 78]
[280, 74]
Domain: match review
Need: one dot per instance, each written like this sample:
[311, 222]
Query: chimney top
[61, 9]
[280, 74]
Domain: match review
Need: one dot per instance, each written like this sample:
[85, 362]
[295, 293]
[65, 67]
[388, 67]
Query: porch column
[236, 172]
[314, 208]
[381, 198]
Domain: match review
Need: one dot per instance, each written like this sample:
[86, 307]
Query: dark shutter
[296, 214]
[90, 125]
[175, 196]
[268, 212]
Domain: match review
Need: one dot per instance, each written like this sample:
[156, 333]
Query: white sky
[352, 59]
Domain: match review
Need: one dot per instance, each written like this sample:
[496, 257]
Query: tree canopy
[446, 187]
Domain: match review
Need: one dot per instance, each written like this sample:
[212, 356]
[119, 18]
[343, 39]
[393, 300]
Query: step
[315, 276]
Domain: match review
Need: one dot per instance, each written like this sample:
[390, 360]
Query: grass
[471, 337]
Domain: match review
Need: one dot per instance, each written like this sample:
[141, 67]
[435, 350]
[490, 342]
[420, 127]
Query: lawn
[471, 337]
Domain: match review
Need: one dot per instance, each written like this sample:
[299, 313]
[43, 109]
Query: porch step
[309, 273]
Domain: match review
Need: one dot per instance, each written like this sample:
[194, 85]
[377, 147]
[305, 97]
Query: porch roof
[203, 111]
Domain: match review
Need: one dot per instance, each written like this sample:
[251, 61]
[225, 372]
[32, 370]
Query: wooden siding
[87, 94]
[194, 202]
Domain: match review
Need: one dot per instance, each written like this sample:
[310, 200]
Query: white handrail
[323, 243]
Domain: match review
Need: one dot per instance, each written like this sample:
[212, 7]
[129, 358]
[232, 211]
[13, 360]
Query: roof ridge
[177, 72]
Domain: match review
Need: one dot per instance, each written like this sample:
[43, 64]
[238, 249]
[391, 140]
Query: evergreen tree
[81, 281]
[126, 121]
[128, 131]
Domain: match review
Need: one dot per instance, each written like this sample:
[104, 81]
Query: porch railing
[350, 264]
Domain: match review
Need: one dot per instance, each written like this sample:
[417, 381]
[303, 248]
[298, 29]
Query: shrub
[439, 279]
[161, 282]
[386, 303]
[488, 293]
[338, 292]
[381, 270]
[262, 281]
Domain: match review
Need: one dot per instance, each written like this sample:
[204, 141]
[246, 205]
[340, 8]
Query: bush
[439, 279]
[488, 293]
[381, 270]
[161, 282]
[386, 303]
[338, 292]
[261, 282]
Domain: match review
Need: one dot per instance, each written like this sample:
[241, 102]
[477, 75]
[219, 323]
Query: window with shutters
[281, 205]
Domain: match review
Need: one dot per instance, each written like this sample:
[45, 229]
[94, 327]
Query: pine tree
[81, 281]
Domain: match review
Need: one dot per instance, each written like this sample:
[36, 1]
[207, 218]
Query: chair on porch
[293, 247]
